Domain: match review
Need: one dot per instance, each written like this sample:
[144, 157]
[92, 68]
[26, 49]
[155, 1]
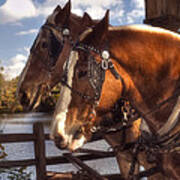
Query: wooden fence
[41, 161]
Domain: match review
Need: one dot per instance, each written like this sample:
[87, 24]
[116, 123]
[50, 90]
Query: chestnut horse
[138, 63]
[43, 70]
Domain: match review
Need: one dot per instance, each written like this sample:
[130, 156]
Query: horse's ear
[67, 8]
[100, 30]
[58, 8]
[64, 13]
[86, 20]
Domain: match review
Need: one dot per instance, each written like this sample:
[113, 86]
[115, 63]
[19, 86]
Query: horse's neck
[146, 89]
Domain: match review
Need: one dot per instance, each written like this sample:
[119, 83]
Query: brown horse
[138, 63]
[42, 71]
[45, 64]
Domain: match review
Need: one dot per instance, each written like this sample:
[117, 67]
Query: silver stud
[105, 54]
[93, 129]
[66, 32]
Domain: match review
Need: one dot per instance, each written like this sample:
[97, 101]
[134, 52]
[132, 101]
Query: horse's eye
[82, 74]
[44, 45]
[78, 134]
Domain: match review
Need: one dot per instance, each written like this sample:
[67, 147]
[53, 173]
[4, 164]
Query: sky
[20, 21]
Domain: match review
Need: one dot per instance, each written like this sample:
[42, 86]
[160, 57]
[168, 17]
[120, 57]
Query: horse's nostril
[59, 142]
[24, 100]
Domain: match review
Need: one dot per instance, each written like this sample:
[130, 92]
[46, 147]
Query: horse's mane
[145, 28]
[135, 27]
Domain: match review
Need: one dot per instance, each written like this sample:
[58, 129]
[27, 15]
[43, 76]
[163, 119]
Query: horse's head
[44, 69]
[85, 85]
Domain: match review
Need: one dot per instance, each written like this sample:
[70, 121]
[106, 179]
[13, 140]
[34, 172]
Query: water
[22, 123]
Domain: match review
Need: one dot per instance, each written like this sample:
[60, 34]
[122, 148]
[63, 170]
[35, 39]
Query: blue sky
[20, 21]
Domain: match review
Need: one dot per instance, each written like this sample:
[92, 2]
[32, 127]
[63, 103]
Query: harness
[152, 145]
[62, 30]
[55, 43]
[96, 71]
[96, 76]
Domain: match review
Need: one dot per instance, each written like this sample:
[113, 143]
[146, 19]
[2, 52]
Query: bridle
[96, 71]
[62, 30]
[151, 144]
[96, 76]
[60, 38]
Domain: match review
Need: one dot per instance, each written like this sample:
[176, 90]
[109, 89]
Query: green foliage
[8, 101]
[10, 104]
[16, 173]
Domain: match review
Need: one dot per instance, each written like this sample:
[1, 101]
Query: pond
[22, 123]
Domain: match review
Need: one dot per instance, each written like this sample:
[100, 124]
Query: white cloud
[30, 31]
[14, 10]
[47, 7]
[139, 3]
[24, 50]
[96, 12]
[27, 50]
[14, 67]
[130, 20]
[137, 12]
[97, 8]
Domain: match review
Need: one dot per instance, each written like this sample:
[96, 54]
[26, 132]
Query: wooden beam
[87, 157]
[8, 138]
[72, 176]
[9, 164]
[92, 173]
[55, 160]
[39, 149]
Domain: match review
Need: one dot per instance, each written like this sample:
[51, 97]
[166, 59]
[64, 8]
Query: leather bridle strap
[106, 63]
[64, 31]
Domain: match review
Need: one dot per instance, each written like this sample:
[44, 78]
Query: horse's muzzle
[59, 142]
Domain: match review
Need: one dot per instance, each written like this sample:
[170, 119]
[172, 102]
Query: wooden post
[163, 13]
[39, 149]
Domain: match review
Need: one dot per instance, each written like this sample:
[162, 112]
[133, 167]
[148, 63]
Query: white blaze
[77, 143]
[59, 120]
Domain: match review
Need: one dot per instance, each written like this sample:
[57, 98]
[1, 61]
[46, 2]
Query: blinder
[54, 48]
[96, 76]
[56, 43]
[96, 71]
